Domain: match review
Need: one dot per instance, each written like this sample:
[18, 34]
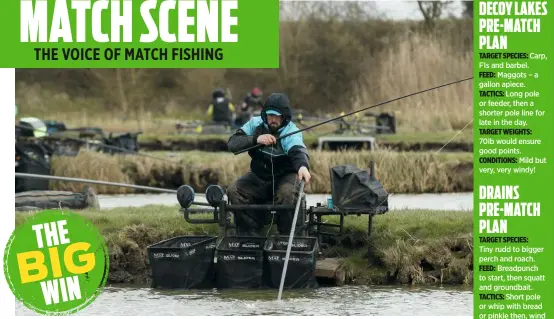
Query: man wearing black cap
[276, 168]
[221, 110]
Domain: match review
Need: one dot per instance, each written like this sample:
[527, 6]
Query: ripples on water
[347, 300]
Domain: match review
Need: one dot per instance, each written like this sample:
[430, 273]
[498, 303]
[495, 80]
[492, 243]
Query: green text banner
[513, 171]
[140, 34]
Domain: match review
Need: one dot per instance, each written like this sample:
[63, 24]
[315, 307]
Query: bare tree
[433, 10]
[124, 87]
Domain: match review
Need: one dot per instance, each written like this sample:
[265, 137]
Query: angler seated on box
[276, 167]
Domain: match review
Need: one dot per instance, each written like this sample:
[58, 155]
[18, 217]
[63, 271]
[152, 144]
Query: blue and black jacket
[268, 161]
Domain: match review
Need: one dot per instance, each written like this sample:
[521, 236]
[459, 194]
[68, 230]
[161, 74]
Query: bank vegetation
[404, 142]
[399, 172]
[405, 247]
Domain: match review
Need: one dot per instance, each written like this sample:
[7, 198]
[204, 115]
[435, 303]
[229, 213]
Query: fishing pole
[291, 236]
[92, 181]
[354, 112]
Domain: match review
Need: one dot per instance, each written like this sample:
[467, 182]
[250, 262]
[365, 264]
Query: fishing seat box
[240, 261]
[301, 268]
[184, 262]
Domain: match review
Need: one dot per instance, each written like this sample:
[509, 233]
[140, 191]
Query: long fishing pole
[291, 236]
[354, 112]
[92, 181]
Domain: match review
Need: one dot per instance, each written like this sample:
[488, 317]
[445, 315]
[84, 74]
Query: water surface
[346, 300]
[447, 201]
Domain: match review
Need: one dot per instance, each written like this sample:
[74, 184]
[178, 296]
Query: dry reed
[399, 172]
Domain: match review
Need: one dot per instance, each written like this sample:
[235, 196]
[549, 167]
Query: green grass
[405, 247]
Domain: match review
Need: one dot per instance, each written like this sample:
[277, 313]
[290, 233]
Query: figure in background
[251, 105]
[221, 110]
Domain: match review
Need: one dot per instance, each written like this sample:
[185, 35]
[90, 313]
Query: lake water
[346, 300]
[447, 201]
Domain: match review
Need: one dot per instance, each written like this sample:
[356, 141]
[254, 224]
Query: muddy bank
[220, 145]
[448, 261]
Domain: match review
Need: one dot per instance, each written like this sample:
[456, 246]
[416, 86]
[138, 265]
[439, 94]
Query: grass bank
[405, 247]
[414, 141]
[400, 172]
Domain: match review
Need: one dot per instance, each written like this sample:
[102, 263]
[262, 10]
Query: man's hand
[266, 139]
[304, 174]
